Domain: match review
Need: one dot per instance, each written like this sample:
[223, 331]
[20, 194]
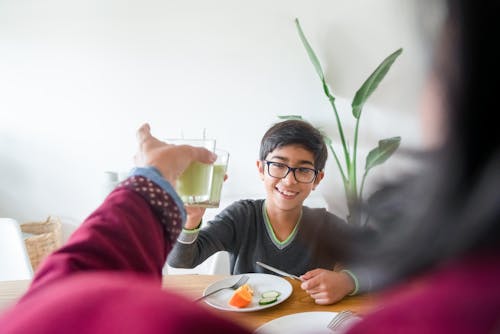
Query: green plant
[378, 155]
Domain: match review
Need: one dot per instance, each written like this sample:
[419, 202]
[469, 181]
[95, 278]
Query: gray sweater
[242, 229]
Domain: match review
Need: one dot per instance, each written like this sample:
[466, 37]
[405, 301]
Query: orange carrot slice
[242, 297]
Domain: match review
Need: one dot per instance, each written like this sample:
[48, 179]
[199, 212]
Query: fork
[340, 319]
[243, 279]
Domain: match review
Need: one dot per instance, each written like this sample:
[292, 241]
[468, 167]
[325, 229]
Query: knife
[277, 271]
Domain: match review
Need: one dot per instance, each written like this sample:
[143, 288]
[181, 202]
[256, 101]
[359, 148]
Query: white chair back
[216, 264]
[14, 261]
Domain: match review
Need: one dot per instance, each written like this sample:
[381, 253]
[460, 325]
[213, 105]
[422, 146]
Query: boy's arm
[196, 245]
[347, 242]
[190, 249]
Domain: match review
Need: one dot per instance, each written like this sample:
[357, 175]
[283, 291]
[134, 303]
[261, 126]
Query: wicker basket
[46, 238]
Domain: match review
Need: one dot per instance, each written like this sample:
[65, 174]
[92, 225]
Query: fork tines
[242, 280]
[340, 318]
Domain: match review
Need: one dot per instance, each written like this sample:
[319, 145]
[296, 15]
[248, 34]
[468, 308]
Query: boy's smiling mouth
[286, 193]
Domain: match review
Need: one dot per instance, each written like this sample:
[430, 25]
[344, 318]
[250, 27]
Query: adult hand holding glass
[169, 160]
[122, 244]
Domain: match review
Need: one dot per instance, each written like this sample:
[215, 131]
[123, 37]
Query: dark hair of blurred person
[440, 250]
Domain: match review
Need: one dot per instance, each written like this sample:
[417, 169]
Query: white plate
[298, 323]
[258, 282]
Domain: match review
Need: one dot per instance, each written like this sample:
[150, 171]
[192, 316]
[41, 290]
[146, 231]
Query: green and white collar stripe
[272, 235]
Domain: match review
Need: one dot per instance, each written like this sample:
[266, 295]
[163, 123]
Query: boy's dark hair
[295, 132]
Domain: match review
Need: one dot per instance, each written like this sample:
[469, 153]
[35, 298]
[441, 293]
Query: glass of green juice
[194, 185]
[220, 169]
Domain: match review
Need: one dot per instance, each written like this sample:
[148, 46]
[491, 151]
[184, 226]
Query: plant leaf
[314, 59]
[290, 117]
[372, 82]
[310, 52]
[385, 148]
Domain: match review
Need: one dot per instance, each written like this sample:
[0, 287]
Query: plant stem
[341, 133]
[353, 175]
[362, 185]
[341, 170]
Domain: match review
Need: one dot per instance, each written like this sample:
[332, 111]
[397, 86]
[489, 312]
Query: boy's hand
[326, 286]
[194, 216]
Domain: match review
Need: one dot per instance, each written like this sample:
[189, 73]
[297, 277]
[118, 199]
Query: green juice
[193, 185]
[217, 181]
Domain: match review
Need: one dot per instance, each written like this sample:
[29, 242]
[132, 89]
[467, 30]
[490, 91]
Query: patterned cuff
[154, 175]
[162, 202]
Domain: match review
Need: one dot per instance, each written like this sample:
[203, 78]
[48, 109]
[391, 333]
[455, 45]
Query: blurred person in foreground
[107, 278]
[440, 260]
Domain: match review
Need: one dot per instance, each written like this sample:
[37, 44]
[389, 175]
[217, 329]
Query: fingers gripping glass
[301, 174]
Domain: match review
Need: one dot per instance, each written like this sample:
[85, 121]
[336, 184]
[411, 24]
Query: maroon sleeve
[107, 277]
[126, 233]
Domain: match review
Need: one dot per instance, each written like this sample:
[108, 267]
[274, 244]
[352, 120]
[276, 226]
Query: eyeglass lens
[301, 174]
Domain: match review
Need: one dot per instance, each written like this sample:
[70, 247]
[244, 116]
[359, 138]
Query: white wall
[77, 77]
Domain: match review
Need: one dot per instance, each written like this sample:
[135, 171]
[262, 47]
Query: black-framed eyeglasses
[301, 174]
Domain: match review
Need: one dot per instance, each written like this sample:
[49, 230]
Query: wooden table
[192, 286]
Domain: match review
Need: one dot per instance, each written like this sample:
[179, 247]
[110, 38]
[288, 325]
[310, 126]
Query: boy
[291, 164]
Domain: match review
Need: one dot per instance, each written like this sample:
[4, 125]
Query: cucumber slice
[267, 301]
[270, 294]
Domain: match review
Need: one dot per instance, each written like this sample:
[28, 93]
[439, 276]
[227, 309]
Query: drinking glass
[219, 171]
[194, 185]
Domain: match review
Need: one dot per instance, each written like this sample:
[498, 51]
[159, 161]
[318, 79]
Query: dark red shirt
[460, 297]
[107, 277]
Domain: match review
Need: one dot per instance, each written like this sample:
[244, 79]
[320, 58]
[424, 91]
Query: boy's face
[288, 194]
